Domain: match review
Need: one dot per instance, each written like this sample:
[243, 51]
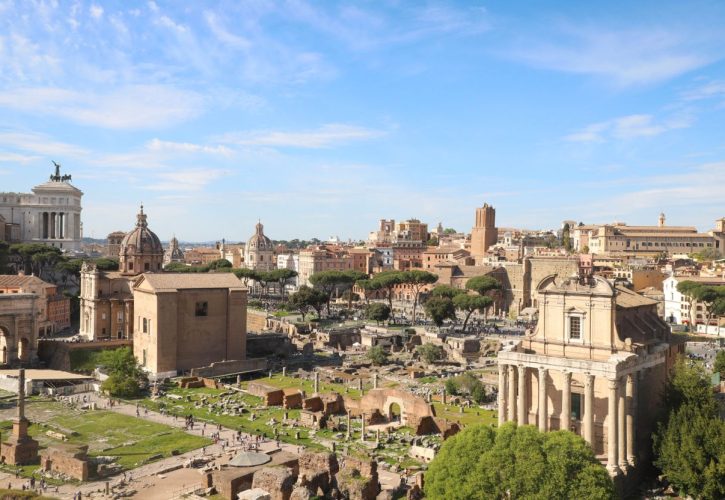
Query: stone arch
[395, 412]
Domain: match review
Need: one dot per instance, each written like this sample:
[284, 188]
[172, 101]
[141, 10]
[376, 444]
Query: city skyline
[321, 120]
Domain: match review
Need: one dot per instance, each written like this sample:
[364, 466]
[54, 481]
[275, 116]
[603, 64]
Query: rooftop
[177, 281]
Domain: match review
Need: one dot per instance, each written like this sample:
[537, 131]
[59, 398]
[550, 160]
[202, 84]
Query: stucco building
[259, 251]
[51, 214]
[185, 321]
[595, 364]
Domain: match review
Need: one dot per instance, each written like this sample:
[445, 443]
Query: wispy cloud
[40, 144]
[628, 127]
[333, 134]
[135, 106]
[623, 57]
[185, 179]
[187, 147]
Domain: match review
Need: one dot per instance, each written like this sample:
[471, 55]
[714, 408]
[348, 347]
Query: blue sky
[321, 118]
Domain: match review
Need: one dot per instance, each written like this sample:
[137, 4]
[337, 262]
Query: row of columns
[54, 225]
[622, 400]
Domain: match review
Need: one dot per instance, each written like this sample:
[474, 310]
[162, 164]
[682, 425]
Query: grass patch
[19, 494]
[261, 425]
[133, 440]
[469, 416]
[308, 386]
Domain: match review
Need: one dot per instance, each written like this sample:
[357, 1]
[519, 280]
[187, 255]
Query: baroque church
[107, 296]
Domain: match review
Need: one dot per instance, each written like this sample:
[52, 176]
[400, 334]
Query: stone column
[502, 376]
[349, 425]
[612, 466]
[512, 394]
[631, 413]
[589, 409]
[522, 395]
[362, 427]
[317, 382]
[543, 417]
[284, 371]
[566, 402]
[375, 380]
[622, 425]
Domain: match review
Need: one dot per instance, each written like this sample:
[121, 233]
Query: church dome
[141, 247]
[259, 241]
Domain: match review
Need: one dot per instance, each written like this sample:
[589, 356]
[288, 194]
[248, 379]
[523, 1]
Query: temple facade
[595, 364]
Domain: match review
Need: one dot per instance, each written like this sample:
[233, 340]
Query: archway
[23, 350]
[4, 345]
[395, 412]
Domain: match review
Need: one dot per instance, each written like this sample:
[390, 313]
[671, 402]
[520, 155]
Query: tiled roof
[176, 281]
[15, 280]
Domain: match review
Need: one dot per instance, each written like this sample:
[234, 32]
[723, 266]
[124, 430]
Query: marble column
[621, 424]
[512, 394]
[543, 414]
[612, 465]
[521, 404]
[502, 376]
[566, 402]
[589, 409]
[631, 389]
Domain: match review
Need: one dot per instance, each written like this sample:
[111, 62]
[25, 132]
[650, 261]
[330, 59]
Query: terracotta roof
[176, 281]
[16, 280]
[628, 298]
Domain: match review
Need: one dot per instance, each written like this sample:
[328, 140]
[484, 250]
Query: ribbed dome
[259, 241]
[141, 241]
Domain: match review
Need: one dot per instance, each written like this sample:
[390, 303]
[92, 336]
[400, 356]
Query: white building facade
[51, 214]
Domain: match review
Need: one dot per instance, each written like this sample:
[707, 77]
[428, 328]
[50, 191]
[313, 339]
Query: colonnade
[513, 401]
[54, 225]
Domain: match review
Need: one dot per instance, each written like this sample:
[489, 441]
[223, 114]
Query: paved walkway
[151, 482]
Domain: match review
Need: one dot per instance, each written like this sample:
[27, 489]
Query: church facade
[596, 364]
[51, 214]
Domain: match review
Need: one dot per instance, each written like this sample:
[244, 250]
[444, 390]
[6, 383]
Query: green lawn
[260, 425]
[278, 380]
[469, 415]
[133, 440]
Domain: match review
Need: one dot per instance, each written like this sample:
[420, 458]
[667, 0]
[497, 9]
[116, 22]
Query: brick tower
[484, 233]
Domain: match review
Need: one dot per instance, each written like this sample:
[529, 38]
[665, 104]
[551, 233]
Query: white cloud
[628, 127]
[625, 57]
[326, 136]
[186, 147]
[714, 89]
[185, 179]
[96, 11]
[16, 158]
[129, 107]
[41, 144]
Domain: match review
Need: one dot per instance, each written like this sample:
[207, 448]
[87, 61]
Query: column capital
[612, 383]
[543, 370]
[567, 375]
[589, 379]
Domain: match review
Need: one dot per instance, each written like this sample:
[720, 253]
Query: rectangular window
[145, 328]
[577, 401]
[575, 328]
[202, 308]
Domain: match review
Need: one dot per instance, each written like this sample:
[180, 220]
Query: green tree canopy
[388, 280]
[483, 284]
[440, 309]
[418, 279]
[516, 462]
[125, 377]
[306, 298]
[690, 446]
[430, 353]
[719, 364]
[377, 355]
[377, 311]
[246, 275]
[471, 303]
